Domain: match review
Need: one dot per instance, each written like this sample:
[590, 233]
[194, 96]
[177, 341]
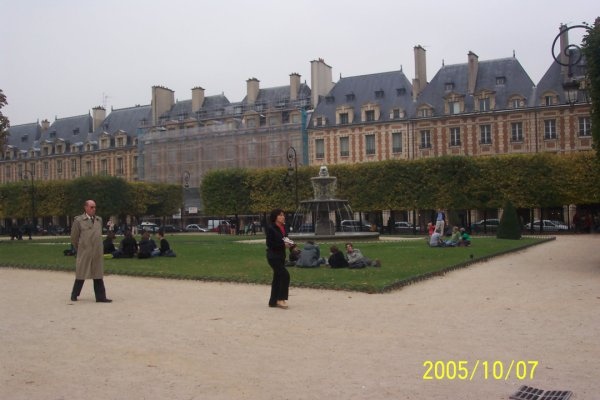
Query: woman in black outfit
[276, 258]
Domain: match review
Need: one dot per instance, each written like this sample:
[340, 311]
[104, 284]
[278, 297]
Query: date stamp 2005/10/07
[480, 369]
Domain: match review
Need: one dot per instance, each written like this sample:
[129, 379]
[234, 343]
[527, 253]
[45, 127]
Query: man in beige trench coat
[86, 237]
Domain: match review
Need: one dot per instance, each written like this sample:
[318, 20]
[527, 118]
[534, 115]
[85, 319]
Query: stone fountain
[321, 218]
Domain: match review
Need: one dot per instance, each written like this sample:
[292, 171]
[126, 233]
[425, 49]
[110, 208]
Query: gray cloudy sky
[61, 58]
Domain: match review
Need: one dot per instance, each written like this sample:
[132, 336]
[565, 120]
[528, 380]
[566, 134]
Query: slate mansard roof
[515, 81]
[127, 120]
[390, 90]
[24, 137]
[71, 130]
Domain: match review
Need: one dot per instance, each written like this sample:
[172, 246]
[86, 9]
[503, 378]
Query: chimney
[420, 71]
[321, 81]
[294, 85]
[45, 125]
[162, 101]
[564, 56]
[252, 88]
[472, 72]
[197, 98]
[98, 116]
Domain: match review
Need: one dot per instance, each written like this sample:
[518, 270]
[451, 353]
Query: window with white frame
[319, 148]
[344, 146]
[485, 134]
[120, 169]
[455, 136]
[454, 107]
[516, 132]
[88, 168]
[484, 104]
[550, 129]
[369, 144]
[46, 166]
[396, 142]
[73, 165]
[585, 126]
[104, 166]
[425, 138]
[370, 115]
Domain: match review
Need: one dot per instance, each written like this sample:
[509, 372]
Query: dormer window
[344, 118]
[453, 107]
[75, 132]
[400, 91]
[329, 99]
[500, 80]
[425, 111]
[484, 104]
[379, 94]
[397, 113]
[449, 86]
[24, 138]
[350, 97]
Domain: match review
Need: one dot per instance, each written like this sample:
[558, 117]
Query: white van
[148, 226]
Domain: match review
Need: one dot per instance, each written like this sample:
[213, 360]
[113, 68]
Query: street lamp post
[291, 157]
[185, 184]
[27, 174]
[571, 85]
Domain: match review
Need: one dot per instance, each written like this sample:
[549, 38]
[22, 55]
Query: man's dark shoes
[105, 300]
[73, 298]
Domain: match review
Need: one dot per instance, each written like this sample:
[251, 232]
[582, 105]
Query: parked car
[405, 227]
[549, 226]
[491, 225]
[196, 228]
[148, 227]
[170, 228]
[354, 225]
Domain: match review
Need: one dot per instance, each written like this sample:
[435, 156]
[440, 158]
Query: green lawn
[227, 258]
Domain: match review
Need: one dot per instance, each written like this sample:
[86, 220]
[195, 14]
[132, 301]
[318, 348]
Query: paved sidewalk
[167, 339]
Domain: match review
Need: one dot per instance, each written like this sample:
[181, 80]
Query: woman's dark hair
[334, 249]
[274, 214]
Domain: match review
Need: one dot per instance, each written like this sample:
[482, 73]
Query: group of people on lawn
[459, 237]
[310, 257]
[129, 247]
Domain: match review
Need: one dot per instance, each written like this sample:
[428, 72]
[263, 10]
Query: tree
[4, 122]
[591, 51]
[510, 225]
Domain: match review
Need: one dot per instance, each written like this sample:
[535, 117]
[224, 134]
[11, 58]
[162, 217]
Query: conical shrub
[510, 224]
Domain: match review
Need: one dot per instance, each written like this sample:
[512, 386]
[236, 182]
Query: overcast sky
[61, 58]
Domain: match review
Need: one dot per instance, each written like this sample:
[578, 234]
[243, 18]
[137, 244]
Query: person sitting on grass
[108, 243]
[128, 247]
[357, 260]
[337, 258]
[146, 246]
[165, 248]
[294, 255]
[454, 239]
[436, 239]
[465, 238]
[310, 256]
